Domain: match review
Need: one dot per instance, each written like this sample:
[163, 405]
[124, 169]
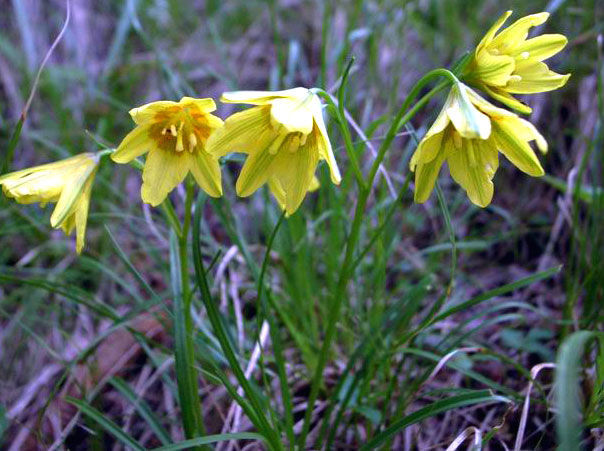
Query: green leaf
[443, 405]
[211, 439]
[566, 388]
[105, 423]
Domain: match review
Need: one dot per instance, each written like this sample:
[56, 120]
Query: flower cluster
[469, 133]
[284, 137]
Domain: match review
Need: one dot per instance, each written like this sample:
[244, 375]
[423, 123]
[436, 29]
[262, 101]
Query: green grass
[399, 325]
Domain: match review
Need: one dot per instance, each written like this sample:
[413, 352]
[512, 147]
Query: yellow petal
[81, 215]
[488, 37]
[277, 191]
[515, 34]
[507, 99]
[314, 184]
[471, 167]
[257, 168]
[540, 47]
[292, 115]
[244, 131]
[136, 143]
[163, 171]
[515, 148]
[494, 70]
[469, 122]
[323, 143]
[487, 107]
[425, 177]
[262, 97]
[205, 105]
[535, 77]
[147, 112]
[71, 193]
[295, 171]
[427, 150]
[206, 170]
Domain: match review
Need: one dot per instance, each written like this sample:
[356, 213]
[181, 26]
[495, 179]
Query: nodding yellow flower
[175, 135]
[507, 63]
[67, 183]
[285, 138]
[468, 133]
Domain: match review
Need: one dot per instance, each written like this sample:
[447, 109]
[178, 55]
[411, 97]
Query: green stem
[184, 350]
[257, 407]
[404, 114]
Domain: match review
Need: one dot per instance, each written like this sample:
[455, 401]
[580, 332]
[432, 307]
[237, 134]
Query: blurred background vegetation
[529, 268]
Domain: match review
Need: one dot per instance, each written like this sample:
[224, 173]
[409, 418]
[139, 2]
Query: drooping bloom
[284, 137]
[67, 183]
[175, 135]
[507, 63]
[468, 133]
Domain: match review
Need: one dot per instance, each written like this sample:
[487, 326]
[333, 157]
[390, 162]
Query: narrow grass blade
[105, 423]
[143, 409]
[188, 391]
[454, 402]
[567, 383]
[211, 439]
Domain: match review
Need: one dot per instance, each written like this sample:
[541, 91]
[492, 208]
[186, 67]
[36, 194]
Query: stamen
[276, 144]
[471, 154]
[164, 130]
[515, 78]
[179, 145]
[525, 55]
[294, 143]
[192, 142]
[173, 130]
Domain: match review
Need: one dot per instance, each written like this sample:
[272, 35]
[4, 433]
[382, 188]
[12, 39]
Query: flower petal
[535, 77]
[295, 171]
[258, 168]
[541, 47]
[488, 37]
[323, 143]
[262, 97]
[206, 170]
[147, 112]
[507, 99]
[81, 215]
[515, 148]
[277, 191]
[515, 34]
[471, 167]
[71, 193]
[426, 173]
[468, 121]
[163, 171]
[206, 105]
[293, 115]
[245, 131]
[494, 70]
[136, 143]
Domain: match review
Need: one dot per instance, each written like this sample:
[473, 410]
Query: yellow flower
[175, 135]
[67, 182]
[285, 138]
[468, 133]
[507, 63]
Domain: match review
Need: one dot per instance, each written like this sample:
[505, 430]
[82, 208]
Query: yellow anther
[179, 145]
[164, 130]
[515, 78]
[192, 142]
[173, 130]
[525, 55]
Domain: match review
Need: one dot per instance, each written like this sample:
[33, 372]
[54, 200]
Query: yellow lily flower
[279, 193]
[67, 183]
[460, 135]
[175, 134]
[507, 63]
[285, 138]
